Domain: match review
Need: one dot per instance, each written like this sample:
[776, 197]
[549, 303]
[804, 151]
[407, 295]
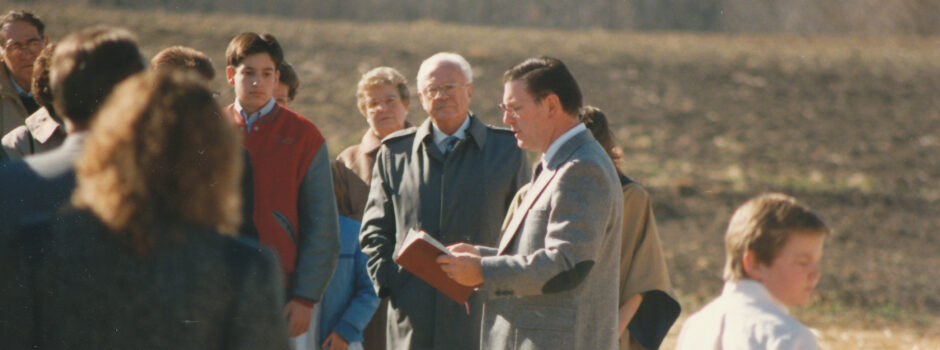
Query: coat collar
[42, 125]
[568, 148]
[371, 142]
[476, 131]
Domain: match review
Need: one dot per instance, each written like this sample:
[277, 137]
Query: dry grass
[849, 125]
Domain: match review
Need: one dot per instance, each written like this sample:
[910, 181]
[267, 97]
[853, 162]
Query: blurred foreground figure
[773, 247]
[191, 60]
[141, 261]
[85, 68]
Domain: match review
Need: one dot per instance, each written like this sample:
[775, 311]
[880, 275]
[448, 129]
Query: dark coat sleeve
[377, 237]
[257, 320]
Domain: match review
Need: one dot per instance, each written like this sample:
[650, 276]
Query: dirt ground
[849, 125]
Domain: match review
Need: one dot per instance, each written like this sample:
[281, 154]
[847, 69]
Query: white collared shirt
[556, 145]
[745, 316]
[254, 117]
[440, 136]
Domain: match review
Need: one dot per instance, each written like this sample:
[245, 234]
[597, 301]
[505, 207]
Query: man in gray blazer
[552, 281]
[453, 177]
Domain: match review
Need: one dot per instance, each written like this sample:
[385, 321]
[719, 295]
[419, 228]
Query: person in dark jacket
[141, 259]
[453, 177]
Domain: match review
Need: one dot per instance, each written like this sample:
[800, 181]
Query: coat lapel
[531, 195]
[541, 183]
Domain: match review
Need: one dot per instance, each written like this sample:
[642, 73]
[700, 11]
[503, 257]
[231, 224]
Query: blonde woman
[382, 97]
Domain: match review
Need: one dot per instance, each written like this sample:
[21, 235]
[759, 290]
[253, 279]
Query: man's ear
[277, 76]
[470, 91]
[230, 75]
[553, 103]
[751, 265]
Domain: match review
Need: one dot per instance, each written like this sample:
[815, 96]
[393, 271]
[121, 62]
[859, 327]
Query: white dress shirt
[745, 316]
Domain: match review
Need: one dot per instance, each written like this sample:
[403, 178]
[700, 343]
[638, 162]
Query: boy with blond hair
[773, 247]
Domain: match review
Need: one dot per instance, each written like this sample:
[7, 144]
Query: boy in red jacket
[295, 208]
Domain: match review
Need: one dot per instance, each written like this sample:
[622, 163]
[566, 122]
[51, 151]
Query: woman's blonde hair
[377, 77]
[160, 156]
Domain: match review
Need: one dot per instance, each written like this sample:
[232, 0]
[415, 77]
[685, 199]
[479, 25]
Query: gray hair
[445, 57]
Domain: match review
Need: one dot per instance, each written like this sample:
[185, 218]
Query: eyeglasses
[513, 111]
[33, 46]
[433, 90]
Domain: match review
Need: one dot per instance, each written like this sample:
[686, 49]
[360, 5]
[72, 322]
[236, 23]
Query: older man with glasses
[453, 177]
[21, 41]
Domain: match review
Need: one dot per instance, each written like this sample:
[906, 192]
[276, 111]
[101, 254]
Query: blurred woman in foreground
[143, 261]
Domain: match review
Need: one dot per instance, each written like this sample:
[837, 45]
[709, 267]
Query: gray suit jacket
[458, 198]
[552, 283]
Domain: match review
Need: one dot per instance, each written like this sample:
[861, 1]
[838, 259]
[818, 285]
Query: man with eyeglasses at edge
[453, 177]
[22, 38]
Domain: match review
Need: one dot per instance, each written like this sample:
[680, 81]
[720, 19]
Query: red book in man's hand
[418, 255]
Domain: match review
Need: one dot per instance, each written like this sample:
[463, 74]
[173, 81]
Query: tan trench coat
[12, 111]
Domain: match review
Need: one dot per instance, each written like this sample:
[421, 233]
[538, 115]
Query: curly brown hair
[40, 88]
[160, 156]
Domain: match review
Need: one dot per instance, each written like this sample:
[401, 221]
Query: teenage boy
[295, 209]
[773, 248]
